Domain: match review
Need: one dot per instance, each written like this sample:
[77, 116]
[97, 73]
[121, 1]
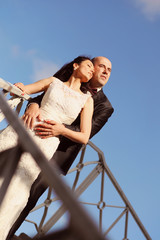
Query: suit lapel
[98, 95]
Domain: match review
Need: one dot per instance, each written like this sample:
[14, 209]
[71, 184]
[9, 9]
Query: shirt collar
[99, 89]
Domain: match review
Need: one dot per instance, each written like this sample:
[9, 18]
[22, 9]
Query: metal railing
[79, 186]
[70, 203]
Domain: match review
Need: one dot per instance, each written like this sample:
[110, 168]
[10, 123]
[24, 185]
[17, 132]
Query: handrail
[17, 99]
[9, 87]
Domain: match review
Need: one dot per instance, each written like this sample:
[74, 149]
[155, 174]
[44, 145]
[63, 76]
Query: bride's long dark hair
[66, 71]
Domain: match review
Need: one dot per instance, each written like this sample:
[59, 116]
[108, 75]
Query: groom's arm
[37, 100]
[102, 113]
[32, 111]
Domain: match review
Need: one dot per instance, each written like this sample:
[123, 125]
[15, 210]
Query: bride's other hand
[31, 114]
[21, 86]
[48, 129]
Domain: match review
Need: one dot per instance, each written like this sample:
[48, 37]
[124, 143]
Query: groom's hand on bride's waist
[32, 114]
[49, 128]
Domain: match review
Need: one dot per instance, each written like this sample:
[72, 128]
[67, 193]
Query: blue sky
[38, 37]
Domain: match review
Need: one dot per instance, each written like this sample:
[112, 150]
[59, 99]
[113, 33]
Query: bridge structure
[80, 224]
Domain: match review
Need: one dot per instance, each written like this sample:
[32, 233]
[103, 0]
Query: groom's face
[102, 72]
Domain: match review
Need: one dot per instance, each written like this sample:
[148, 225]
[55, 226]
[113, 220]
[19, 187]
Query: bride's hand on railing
[31, 114]
[21, 86]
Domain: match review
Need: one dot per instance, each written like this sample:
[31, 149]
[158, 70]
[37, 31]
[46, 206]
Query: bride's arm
[85, 125]
[39, 86]
[51, 128]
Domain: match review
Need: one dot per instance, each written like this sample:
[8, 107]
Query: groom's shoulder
[101, 98]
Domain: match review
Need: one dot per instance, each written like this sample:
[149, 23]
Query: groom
[68, 150]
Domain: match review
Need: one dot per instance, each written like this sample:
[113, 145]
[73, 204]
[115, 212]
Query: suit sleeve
[37, 100]
[102, 113]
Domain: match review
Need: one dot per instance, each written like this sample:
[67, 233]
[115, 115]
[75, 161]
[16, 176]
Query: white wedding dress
[59, 103]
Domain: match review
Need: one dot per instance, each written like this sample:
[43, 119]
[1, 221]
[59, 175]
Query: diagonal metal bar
[78, 168]
[114, 223]
[121, 193]
[83, 186]
[52, 221]
[43, 204]
[89, 179]
[84, 165]
[35, 224]
[46, 208]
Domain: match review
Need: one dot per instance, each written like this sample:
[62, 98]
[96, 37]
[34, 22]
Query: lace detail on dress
[62, 103]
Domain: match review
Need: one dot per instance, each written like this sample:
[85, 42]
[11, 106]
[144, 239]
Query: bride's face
[84, 70]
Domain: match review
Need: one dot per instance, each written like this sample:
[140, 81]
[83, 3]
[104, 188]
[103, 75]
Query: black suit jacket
[67, 149]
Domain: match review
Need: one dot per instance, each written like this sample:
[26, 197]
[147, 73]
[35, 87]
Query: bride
[62, 103]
